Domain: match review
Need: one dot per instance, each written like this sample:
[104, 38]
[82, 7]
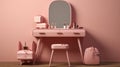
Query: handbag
[91, 56]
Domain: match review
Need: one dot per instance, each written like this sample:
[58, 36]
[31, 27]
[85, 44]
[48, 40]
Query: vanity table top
[58, 32]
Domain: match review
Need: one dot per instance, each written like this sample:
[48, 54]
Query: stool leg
[68, 58]
[51, 57]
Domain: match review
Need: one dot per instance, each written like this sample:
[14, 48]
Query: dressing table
[77, 33]
[62, 16]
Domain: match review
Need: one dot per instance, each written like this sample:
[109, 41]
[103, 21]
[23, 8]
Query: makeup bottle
[64, 26]
[25, 47]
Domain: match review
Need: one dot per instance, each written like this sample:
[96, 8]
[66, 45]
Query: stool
[59, 46]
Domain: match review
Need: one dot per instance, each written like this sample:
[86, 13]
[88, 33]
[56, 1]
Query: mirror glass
[59, 13]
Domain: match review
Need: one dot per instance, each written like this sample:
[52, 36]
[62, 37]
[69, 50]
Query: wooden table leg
[80, 49]
[36, 53]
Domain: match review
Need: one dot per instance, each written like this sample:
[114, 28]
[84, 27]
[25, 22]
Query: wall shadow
[89, 41]
[73, 14]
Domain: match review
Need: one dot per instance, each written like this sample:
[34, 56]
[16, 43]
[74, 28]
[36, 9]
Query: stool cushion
[24, 54]
[59, 46]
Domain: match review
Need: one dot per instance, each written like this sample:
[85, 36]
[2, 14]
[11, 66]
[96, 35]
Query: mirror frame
[70, 13]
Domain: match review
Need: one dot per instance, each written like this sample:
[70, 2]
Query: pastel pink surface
[100, 18]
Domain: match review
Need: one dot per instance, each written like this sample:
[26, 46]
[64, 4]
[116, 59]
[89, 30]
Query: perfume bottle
[73, 26]
[25, 47]
[54, 25]
[64, 26]
[51, 25]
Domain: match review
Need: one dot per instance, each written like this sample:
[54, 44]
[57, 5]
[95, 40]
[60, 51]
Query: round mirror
[59, 14]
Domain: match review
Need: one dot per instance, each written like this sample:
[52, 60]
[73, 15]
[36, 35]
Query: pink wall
[101, 19]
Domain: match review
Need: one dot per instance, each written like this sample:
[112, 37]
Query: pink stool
[60, 47]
